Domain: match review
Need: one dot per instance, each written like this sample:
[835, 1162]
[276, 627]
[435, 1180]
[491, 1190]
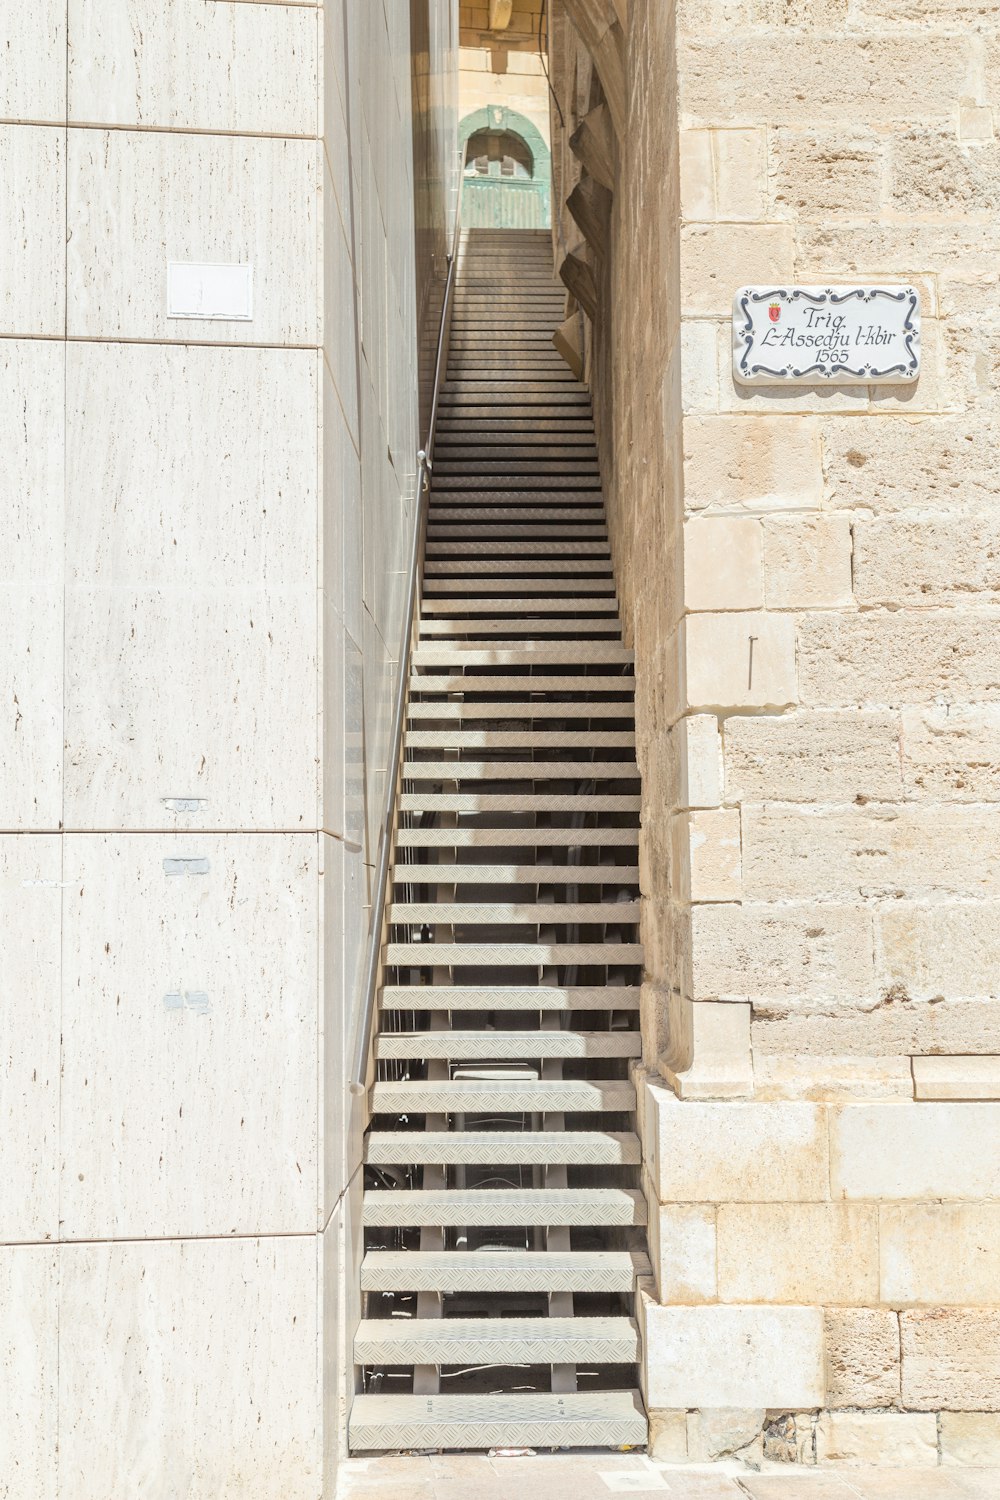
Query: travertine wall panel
[31, 688]
[29, 1369]
[166, 956]
[32, 249]
[219, 66]
[139, 199]
[33, 45]
[30, 901]
[168, 1321]
[33, 472]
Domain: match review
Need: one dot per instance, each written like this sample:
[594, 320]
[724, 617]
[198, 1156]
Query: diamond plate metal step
[510, 997]
[602, 1419]
[526, 802]
[527, 709]
[517, 739]
[495, 1341]
[498, 1270]
[518, 955]
[520, 770]
[536, 874]
[514, 838]
[566, 1095]
[500, 1208]
[509, 1044]
[503, 1147]
[514, 912]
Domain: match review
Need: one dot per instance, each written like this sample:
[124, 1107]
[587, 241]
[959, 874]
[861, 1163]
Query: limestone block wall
[806, 578]
[200, 536]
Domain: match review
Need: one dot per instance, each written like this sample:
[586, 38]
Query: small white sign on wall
[826, 335]
[197, 290]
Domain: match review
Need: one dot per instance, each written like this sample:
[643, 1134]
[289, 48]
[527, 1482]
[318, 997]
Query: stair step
[514, 838]
[517, 955]
[476, 913]
[600, 1419]
[521, 654]
[495, 1341]
[482, 1095]
[503, 1207]
[504, 1148]
[525, 710]
[520, 770]
[499, 1045]
[522, 630]
[519, 739]
[443, 513]
[624, 875]
[498, 1270]
[484, 567]
[530, 683]
[509, 997]
[518, 802]
[486, 589]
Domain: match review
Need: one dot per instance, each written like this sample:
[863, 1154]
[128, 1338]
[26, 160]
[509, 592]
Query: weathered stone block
[792, 853]
[862, 1356]
[831, 1079]
[970, 1438]
[706, 856]
[807, 562]
[723, 564]
[952, 752]
[915, 1151]
[701, 761]
[734, 1356]
[898, 1440]
[797, 1252]
[825, 176]
[814, 757]
[906, 657]
[793, 85]
[685, 1268]
[668, 1437]
[941, 463]
[735, 1152]
[896, 1027]
[936, 559]
[714, 1433]
[709, 253]
[931, 176]
[789, 955]
[956, 1078]
[723, 174]
[940, 1252]
[951, 1359]
[766, 463]
[739, 660]
[937, 950]
[715, 1062]
[699, 366]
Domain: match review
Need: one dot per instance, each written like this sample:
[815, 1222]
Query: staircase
[502, 1211]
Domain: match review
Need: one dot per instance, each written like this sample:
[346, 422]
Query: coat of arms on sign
[774, 311]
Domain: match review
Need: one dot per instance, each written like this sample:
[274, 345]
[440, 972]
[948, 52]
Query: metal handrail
[358, 1082]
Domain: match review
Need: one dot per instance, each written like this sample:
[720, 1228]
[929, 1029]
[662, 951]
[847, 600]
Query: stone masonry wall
[814, 610]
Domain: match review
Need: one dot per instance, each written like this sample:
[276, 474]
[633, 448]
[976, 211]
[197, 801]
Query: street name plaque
[826, 335]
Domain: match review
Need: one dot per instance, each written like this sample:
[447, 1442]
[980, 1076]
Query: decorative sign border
[905, 366]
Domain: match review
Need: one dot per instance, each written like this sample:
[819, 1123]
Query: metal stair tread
[537, 874]
[518, 739]
[475, 912]
[575, 1420]
[520, 770]
[503, 1207]
[482, 955]
[524, 1095]
[501, 1270]
[510, 997]
[508, 1044]
[514, 838]
[404, 1341]
[503, 1147]
[474, 802]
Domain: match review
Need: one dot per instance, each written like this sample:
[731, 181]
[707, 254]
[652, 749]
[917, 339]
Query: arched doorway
[508, 174]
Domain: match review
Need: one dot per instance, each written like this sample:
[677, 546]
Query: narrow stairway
[502, 1210]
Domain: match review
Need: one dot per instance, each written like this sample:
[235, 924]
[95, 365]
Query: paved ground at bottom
[584, 1476]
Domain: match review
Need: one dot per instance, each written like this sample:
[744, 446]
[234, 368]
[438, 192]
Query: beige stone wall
[807, 578]
[521, 86]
